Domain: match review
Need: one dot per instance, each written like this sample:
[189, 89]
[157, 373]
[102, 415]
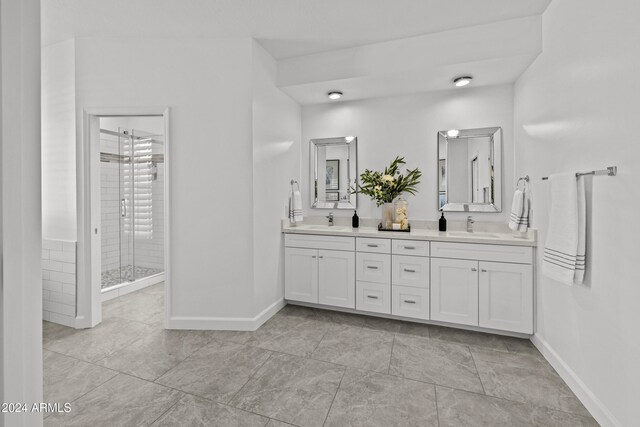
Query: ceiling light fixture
[462, 81]
[334, 94]
[453, 133]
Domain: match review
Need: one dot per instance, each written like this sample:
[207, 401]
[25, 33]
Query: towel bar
[609, 171]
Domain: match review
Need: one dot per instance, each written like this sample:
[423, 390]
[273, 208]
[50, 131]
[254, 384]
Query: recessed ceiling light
[453, 133]
[462, 81]
[334, 94]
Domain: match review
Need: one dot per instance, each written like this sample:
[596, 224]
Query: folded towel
[520, 208]
[295, 207]
[564, 253]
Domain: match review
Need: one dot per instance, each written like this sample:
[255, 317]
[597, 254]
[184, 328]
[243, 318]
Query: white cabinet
[374, 297]
[482, 285]
[336, 278]
[320, 270]
[375, 268]
[506, 296]
[454, 291]
[410, 271]
[408, 301]
[301, 274]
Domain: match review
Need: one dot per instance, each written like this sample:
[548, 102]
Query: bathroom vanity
[480, 281]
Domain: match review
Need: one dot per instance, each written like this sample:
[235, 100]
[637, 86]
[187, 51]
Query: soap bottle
[442, 224]
[355, 221]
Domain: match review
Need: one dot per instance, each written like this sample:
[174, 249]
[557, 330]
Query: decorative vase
[402, 213]
[387, 215]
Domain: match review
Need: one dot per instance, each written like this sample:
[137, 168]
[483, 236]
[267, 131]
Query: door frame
[88, 292]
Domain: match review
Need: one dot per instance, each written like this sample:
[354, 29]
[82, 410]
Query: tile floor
[304, 367]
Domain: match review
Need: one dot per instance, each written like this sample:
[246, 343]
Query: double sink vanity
[482, 281]
[477, 280]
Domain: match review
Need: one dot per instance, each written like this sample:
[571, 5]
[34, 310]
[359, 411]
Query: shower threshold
[126, 275]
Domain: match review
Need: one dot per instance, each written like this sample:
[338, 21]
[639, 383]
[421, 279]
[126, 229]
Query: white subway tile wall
[59, 281]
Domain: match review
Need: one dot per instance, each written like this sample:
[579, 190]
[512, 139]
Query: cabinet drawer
[410, 271]
[374, 268]
[410, 302]
[373, 297]
[380, 246]
[311, 241]
[410, 247]
[474, 251]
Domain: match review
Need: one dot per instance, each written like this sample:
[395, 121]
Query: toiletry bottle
[442, 224]
[355, 221]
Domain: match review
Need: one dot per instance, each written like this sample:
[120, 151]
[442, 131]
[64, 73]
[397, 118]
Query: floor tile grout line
[435, 392]
[393, 343]
[475, 365]
[253, 374]
[326, 417]
[165, 412]
[504, 399]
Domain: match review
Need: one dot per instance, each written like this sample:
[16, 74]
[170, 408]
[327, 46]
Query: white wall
[408, 126]
[59, 142]
[207, 84]
[20, 210]
[577, 109]
[276, 160]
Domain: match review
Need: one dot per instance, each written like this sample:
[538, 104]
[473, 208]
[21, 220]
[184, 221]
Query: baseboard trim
[225, 323]
[597, 409]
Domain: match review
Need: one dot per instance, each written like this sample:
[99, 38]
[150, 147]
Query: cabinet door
[337, 278]
[506, 296]
[454, 291]
[301, 274]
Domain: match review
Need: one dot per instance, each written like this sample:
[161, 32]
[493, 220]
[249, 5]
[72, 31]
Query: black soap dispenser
[355, 221]
[442, 224]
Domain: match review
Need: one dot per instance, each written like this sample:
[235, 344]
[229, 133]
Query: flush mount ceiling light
[334, 94]
[462, 81]
[453, 133]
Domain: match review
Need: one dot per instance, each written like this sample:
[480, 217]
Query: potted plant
[385, 186]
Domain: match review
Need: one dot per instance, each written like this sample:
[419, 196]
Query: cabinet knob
[372, 246]
[313, 256]
[373, 267]
[320, 256]
[409, 270]
[409, 247]
[372, 296]
[408, 301]
[474, 269]
[483, 270]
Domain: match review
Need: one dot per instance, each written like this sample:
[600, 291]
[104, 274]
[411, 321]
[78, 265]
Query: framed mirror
[470, 170]
[334, 166]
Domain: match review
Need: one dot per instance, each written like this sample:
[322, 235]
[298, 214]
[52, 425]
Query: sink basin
[324, 228]
[479, 235]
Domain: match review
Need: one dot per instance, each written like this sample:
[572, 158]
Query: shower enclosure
[132, 207]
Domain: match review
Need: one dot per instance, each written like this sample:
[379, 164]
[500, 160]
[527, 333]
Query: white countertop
[495, 238]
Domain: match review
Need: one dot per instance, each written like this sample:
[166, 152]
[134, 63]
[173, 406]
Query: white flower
[378, 188]
[387, 178]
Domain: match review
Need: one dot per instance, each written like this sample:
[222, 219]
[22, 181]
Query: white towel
[564, 253]
[520, 208]
[295, 207]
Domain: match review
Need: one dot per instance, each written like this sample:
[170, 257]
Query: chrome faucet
[470, 222]
[330, 218]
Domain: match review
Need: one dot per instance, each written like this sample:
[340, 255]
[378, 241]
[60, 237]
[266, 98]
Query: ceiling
[285, 28]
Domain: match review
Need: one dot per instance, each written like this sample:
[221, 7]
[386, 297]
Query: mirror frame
[352, 144]
[496, 161]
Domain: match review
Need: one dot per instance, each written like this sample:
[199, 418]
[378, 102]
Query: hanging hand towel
[519, 218]
[564, 252]
[295, 207]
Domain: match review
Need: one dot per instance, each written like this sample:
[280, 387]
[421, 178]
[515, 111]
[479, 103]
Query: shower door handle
[123, 208]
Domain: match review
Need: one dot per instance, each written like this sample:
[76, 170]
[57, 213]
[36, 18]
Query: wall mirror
[470, 170]
[334, 166]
